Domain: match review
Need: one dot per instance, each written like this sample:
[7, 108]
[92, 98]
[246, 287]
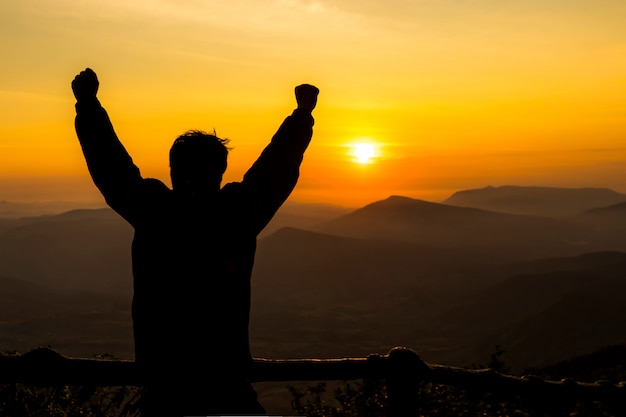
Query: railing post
[405, 373]
[43, 365]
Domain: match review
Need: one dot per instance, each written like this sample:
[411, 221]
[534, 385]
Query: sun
[363, 152]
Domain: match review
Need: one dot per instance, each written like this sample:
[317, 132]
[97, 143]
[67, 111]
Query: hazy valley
[450, 281]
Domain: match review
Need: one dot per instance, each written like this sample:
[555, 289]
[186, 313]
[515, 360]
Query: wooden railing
[402, 370]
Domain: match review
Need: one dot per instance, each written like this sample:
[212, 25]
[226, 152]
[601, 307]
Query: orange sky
[454, 94]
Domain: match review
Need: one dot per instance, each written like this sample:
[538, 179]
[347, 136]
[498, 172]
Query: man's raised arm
[275, 173]
[110, 166]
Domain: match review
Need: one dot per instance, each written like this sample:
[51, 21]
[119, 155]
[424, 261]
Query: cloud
[243, 15]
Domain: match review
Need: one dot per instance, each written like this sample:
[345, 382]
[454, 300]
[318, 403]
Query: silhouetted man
[193, 252]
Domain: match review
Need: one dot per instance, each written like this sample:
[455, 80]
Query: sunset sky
[451, 94]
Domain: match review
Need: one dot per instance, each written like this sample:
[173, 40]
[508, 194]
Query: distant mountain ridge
[403, 218]
[15, 210]
[536, 201]
[606, 218]
[615, 208]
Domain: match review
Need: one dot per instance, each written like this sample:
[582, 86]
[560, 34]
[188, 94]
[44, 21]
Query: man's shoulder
[233, 188]
[154, 184]
[150, 188]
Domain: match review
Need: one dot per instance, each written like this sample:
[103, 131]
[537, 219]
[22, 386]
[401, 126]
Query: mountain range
[482, 231]
[536, 201]
[449, 281]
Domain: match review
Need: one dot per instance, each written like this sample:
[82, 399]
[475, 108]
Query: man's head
[197, 162]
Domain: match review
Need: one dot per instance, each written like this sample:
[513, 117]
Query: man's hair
[195, 144]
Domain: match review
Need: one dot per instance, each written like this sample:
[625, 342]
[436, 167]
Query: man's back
[192, 261]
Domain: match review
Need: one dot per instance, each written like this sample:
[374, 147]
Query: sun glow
[363, 152]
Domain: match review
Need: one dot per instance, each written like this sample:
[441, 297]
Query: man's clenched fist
[85, 85]
[306, 96]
